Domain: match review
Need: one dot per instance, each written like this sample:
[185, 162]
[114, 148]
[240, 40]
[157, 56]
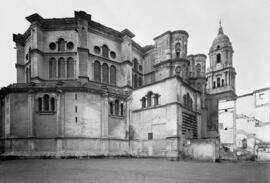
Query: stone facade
[84, 89]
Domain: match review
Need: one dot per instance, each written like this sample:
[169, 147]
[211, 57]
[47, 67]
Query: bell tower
[220, 77]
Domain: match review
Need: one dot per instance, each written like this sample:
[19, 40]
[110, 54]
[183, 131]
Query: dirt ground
[131, 170]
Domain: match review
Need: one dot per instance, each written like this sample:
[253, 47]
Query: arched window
[143, 102]
[122, 109]
[218, 58]
[116, 107]
[222, 82]
[105, 73]
[61, 44]
[39, 104]
[177, 49]
[97, 71]
[61, 68]
[135, 81]
[111, 108]
[214, 84]
[140, 81]
[156, 97]
[135, 64]
[52, 104]
[218, 82]
[70, 67]
[113, 75]
[105, 51]
[198, 69]
[149, 99]
[52, 68]
[46, 102]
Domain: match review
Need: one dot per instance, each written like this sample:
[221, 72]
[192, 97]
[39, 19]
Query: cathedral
[84, 89]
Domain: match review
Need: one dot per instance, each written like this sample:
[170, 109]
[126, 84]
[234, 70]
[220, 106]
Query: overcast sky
[246, 22]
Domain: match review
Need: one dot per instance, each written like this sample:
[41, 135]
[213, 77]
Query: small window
[70, 45]
[113, 54]
[105, 51]
[75, 96]
[46, 106]
[76, 119]
[222, 82]
[26, 56]
[76, 109]
[135, 64]
[52, 46]
[61, 44]
[111, 108]
[218, 58]
[140, 67]
[150, 136]
[97, 50]
[218, 82]
[143, 102]
[122, 109]
[149, 99]
[214, 84]
[52, 104]
[218, 46]
[39, 104]
[156, 102]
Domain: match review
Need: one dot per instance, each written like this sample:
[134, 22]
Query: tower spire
[220, 30]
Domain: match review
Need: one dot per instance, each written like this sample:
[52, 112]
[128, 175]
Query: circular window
[26, 56]
[70, 45]
[52, 46]
[112, 54]
[97, 50]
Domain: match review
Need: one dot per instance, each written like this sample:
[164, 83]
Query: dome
[222, 40]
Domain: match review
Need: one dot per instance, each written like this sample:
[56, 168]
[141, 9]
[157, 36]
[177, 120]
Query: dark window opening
[76, 119]
[214, 84]
[97, 71]
[111, 108]
[70, 45]
[150, 136]
[222, 82]
[135, 80]
[218, 82]
[61, 68]
[75, 96]
[39, 104]
[105, 51]
[135, 64]
[122, 109]
[46, 106]
[105, 73]
[149, 99]
[52, 104]
[143, 102]
[218, 58]
[156, 97]
[113, 75]
[52, 46]
[76, 109]
[97, 50]
[61, 44]
[113, 54]
[140, 82]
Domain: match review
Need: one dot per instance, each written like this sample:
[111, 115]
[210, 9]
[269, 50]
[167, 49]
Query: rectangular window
[76, 109]
[150, 136]
[76, 119]
[75, 96]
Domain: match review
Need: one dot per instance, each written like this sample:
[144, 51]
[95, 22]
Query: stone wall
[203, 149]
